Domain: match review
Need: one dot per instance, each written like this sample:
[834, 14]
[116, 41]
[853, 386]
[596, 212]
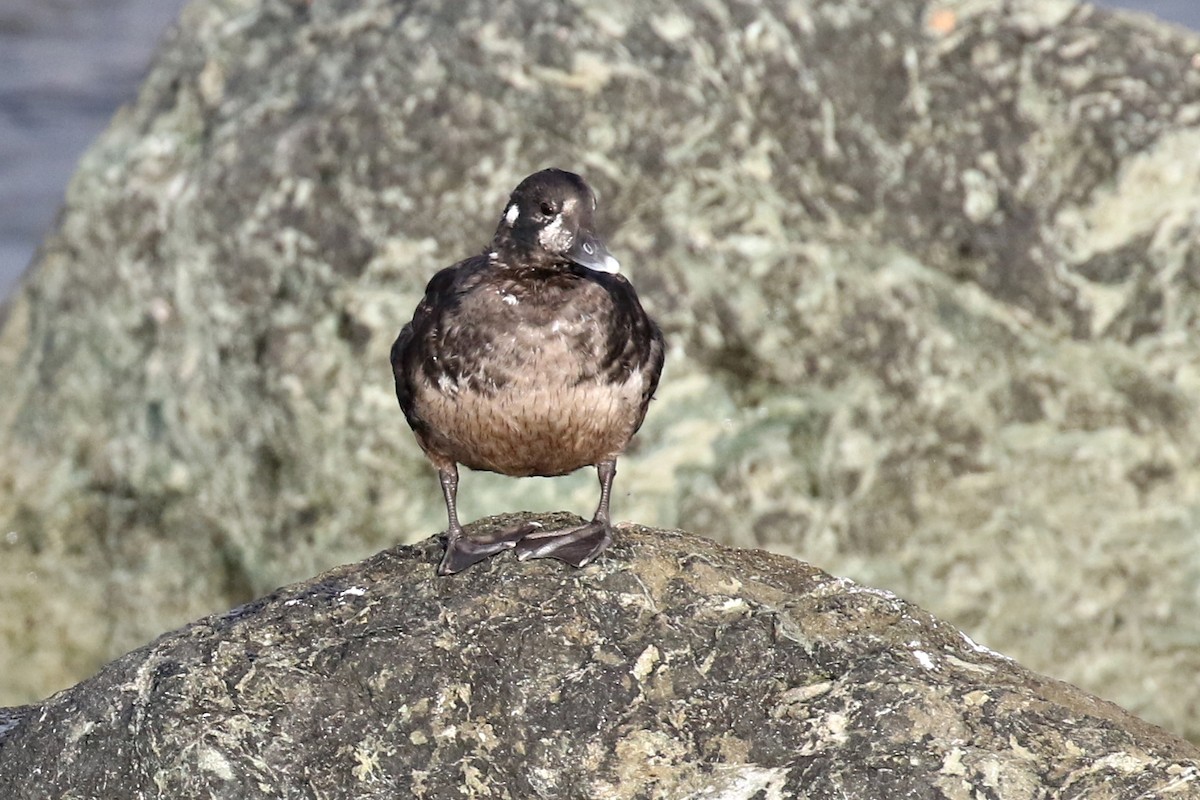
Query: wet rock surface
[673, 667]
[929, 272]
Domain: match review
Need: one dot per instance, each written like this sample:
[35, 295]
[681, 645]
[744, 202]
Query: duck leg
[461, 550]
[576, 546]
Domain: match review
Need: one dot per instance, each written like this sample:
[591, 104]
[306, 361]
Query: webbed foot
[463, 551]
[576, 546]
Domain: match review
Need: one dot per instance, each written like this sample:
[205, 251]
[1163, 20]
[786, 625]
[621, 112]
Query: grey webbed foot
[576, 546]
[463, 551]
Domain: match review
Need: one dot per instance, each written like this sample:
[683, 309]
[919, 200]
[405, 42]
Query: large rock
[673, 668]
[930, 272]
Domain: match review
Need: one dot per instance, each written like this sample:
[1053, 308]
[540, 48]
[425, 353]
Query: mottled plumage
[535, 358]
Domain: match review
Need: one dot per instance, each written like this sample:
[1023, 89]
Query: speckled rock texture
[929, 270]
[672, 668]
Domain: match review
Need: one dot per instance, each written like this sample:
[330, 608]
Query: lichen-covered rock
[930, 271]
[672, 668]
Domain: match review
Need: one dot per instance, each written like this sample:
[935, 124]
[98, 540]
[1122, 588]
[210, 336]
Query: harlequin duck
[533, 358]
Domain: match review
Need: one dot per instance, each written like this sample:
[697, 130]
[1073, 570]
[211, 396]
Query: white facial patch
[554, 238]
[510, 216]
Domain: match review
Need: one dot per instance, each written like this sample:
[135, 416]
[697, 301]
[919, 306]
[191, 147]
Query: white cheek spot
[446, 385]
[511, 299]
[510, 216]
[554, 238]
[556, 327]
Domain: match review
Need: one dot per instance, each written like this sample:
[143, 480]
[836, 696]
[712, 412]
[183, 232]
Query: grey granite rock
[929, 270]
[673, 668]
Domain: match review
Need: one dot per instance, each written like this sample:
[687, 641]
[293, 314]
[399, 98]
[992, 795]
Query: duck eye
[548, 208]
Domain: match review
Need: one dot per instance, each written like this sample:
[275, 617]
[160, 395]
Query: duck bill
[589, 252]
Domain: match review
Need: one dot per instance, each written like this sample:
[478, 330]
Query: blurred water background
[65, 67]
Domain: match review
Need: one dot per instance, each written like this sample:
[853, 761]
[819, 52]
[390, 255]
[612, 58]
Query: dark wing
[635, 342]
[413, 354]
[404, 386]
[652, 368]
